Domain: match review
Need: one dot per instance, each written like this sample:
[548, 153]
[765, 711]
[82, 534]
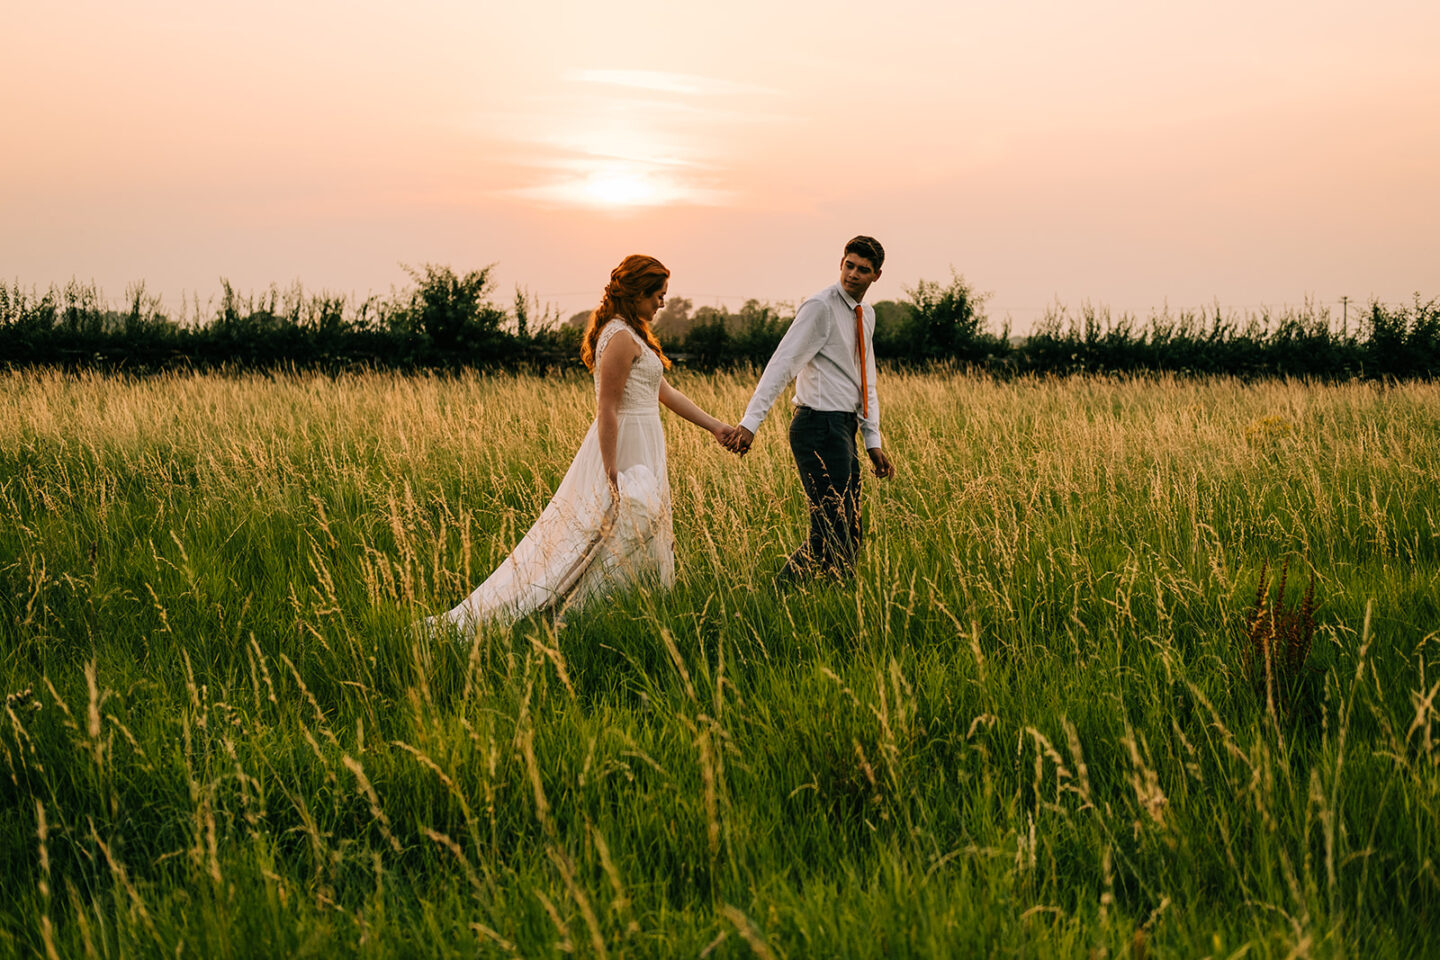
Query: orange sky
[1122, 153]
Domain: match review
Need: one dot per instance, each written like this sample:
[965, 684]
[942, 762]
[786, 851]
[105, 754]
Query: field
[1035, 724]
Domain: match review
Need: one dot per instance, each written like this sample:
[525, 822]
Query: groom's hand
[739, 441]
[884, 469]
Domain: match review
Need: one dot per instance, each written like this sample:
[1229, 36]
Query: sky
[1128, 155]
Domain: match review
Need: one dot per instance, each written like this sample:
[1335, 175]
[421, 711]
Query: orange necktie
[860, 350]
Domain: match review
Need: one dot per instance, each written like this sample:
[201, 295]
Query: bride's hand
[721, 432]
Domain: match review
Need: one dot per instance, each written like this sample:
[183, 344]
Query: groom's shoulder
[819, 300]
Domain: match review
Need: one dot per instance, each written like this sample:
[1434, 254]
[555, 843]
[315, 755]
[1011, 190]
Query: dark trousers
[824, 446]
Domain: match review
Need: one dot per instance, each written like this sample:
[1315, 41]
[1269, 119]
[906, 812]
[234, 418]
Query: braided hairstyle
[638, 276]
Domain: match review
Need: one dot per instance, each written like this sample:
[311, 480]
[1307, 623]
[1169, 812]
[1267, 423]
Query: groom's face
[856, 275]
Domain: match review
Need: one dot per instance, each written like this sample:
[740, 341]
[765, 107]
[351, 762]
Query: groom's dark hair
[869, 248]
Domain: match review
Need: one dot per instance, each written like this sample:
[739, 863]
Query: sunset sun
[612, 184]
[620, 188]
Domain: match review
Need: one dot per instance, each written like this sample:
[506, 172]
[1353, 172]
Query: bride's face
[647, 307]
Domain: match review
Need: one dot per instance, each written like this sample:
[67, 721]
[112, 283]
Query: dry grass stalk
[47, 930]
[118, 872]
[556, 658]
[367, 790]
[712, 801]
[621, 904]
[542, 805]
[566, 866]
[566, 943]
[494, 937]
[679, 662]
[1277, 642]
[747, 929]
[446, 843]
[322, 723]
[78, 911]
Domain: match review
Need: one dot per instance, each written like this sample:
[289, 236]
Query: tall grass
[1025, 728]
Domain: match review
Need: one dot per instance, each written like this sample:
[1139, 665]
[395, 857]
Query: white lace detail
[612, 327]
[642, 389]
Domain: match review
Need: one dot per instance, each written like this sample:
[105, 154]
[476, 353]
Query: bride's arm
[689, 410]
[612, 371]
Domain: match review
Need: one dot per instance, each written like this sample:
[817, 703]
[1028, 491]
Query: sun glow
[630, 139]
[621, 185]
[621, 188]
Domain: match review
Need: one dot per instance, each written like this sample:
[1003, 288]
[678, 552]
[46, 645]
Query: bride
[608, 524]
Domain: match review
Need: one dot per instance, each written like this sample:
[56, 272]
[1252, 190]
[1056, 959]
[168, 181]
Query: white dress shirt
[818, 353]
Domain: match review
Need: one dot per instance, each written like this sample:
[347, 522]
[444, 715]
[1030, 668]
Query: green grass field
[1025, 729]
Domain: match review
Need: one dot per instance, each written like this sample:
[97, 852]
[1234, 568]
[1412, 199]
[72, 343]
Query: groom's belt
[800, 408]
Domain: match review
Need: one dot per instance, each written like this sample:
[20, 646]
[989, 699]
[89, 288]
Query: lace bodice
[642, 390]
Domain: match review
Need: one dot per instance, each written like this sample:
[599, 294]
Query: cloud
[627, 138]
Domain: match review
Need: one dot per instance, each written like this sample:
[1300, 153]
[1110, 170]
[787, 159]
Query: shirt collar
[849, 301]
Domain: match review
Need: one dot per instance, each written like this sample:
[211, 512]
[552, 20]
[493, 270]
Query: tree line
[447, 320]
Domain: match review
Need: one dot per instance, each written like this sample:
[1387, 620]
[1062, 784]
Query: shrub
[447, 319]
[454, 311]
[947, 323]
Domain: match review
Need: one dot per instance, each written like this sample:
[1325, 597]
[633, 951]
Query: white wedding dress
[585, 544]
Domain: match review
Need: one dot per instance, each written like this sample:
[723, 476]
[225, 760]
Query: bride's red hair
[637, 277]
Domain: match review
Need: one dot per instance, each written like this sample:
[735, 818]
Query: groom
[828, 352]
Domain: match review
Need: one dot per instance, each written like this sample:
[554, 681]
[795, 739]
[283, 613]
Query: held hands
[738, 441]
[734, 439]
[724, 434]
